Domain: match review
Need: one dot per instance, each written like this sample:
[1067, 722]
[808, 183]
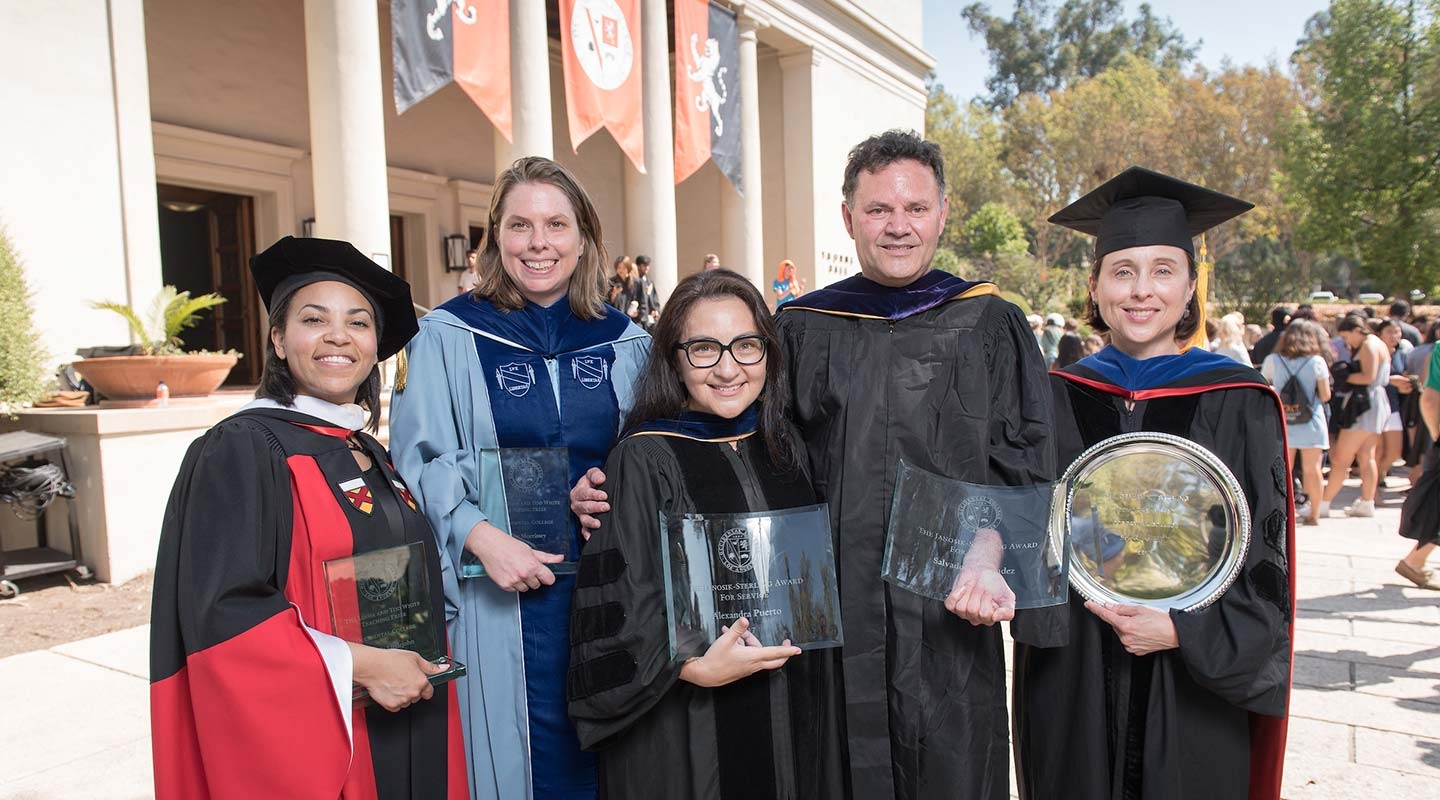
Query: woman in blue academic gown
[1128, 701]
[533, 358]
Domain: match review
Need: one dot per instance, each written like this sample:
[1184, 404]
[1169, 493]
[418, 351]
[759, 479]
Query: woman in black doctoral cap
[251, 666]
[1132, 701]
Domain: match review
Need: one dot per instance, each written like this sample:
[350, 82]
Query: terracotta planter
[135, 377]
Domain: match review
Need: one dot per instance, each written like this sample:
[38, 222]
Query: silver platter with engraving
[1151, 519]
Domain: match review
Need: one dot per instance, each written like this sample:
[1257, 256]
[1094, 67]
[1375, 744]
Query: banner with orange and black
[464, 41]
[707, 89]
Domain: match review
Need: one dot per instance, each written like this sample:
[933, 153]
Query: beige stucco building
[164, 141]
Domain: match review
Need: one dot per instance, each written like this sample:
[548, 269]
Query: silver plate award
[1151, 519]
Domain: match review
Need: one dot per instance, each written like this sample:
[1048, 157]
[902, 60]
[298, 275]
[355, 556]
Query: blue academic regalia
[480, 379]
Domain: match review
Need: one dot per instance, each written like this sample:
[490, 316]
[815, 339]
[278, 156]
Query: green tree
[1257, 275]
[1063, 143]
[969, 139]
[994, 230]
[22, 358]
[1041, 48]
[1363, 161]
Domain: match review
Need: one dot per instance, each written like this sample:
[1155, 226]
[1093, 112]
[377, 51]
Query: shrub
[22, 358]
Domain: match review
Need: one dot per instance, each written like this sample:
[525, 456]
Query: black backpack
[1294, 400]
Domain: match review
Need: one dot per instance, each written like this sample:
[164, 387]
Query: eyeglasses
[703, 353]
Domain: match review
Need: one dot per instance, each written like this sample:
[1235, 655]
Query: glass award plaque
[1154, 520]
[937, 523]
[382, 599]
[537, 499]
[775, 568]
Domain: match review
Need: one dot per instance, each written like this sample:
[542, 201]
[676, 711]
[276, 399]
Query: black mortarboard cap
[1141, 207]
[292, 263]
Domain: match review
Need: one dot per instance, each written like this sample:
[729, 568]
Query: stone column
[529, 87]
[135, 142]
[808, 202]
[742, 216]
[650, 227]
[347, 124]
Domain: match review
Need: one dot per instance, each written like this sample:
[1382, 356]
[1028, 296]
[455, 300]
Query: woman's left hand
[1142, 630]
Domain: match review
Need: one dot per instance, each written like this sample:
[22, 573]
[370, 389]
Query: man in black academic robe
[905, 362]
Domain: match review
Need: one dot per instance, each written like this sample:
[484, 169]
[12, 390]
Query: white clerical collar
[350, 416]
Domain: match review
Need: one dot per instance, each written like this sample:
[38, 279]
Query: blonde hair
[587, 282]
[1230, 331]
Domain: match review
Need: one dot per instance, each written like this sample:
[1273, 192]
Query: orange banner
[692, 123]
[600, 43]
[482, 58]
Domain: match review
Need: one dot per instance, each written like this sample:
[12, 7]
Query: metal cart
[42, 559]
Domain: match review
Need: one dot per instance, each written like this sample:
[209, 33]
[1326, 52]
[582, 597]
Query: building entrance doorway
[206, 241]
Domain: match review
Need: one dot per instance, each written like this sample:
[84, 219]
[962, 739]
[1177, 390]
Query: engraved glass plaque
[382, 599]
[937, 523]
[1154, 520]
[537, 500]
[776, 568]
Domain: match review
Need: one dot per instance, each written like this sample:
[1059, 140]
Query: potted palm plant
[160, 357]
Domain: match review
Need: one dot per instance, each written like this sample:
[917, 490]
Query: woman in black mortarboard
[251, 683]
[1130, 701]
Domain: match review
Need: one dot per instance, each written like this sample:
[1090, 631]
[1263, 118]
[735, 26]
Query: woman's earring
[1187, 313]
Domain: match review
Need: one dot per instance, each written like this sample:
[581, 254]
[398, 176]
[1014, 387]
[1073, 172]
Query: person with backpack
[1298, 368]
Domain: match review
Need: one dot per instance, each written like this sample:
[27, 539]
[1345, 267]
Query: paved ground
[1365, 717]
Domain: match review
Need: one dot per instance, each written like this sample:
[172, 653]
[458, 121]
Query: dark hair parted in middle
[1184, 329]
[587, 282]
[662, 395]
[276, 382]
[884, 149]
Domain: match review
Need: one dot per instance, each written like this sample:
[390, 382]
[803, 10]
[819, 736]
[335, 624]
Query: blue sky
[1245, 31]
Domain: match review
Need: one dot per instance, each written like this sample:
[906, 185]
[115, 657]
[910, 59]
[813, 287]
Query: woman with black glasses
[736, 717]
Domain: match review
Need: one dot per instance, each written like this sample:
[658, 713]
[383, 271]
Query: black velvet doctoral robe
[947, 376]
[775, 734]
[1206, 720]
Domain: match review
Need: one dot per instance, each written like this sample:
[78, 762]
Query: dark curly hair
[884, 149]
[661, 393]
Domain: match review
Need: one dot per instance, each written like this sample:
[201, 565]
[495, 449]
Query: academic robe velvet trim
[702, 427]
[1267, 734]
[858, 296]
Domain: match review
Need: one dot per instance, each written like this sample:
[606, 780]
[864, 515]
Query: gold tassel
[402, 370]
[1202, 291]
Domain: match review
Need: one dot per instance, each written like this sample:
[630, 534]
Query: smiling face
[895, 218]
[329, 340]
[1142, 293]
[540, 242]
[728, 388]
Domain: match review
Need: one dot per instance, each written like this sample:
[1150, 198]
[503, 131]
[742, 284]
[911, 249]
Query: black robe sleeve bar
[640, 477]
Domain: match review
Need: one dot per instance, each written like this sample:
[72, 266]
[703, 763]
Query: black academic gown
[946, 375]
[1206, 720]
[245, 701]
[775, 734]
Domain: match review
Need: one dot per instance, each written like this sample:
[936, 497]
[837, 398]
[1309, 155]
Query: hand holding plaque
[774, 568]
[382, 599]
[536, 482]
[949, 540]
